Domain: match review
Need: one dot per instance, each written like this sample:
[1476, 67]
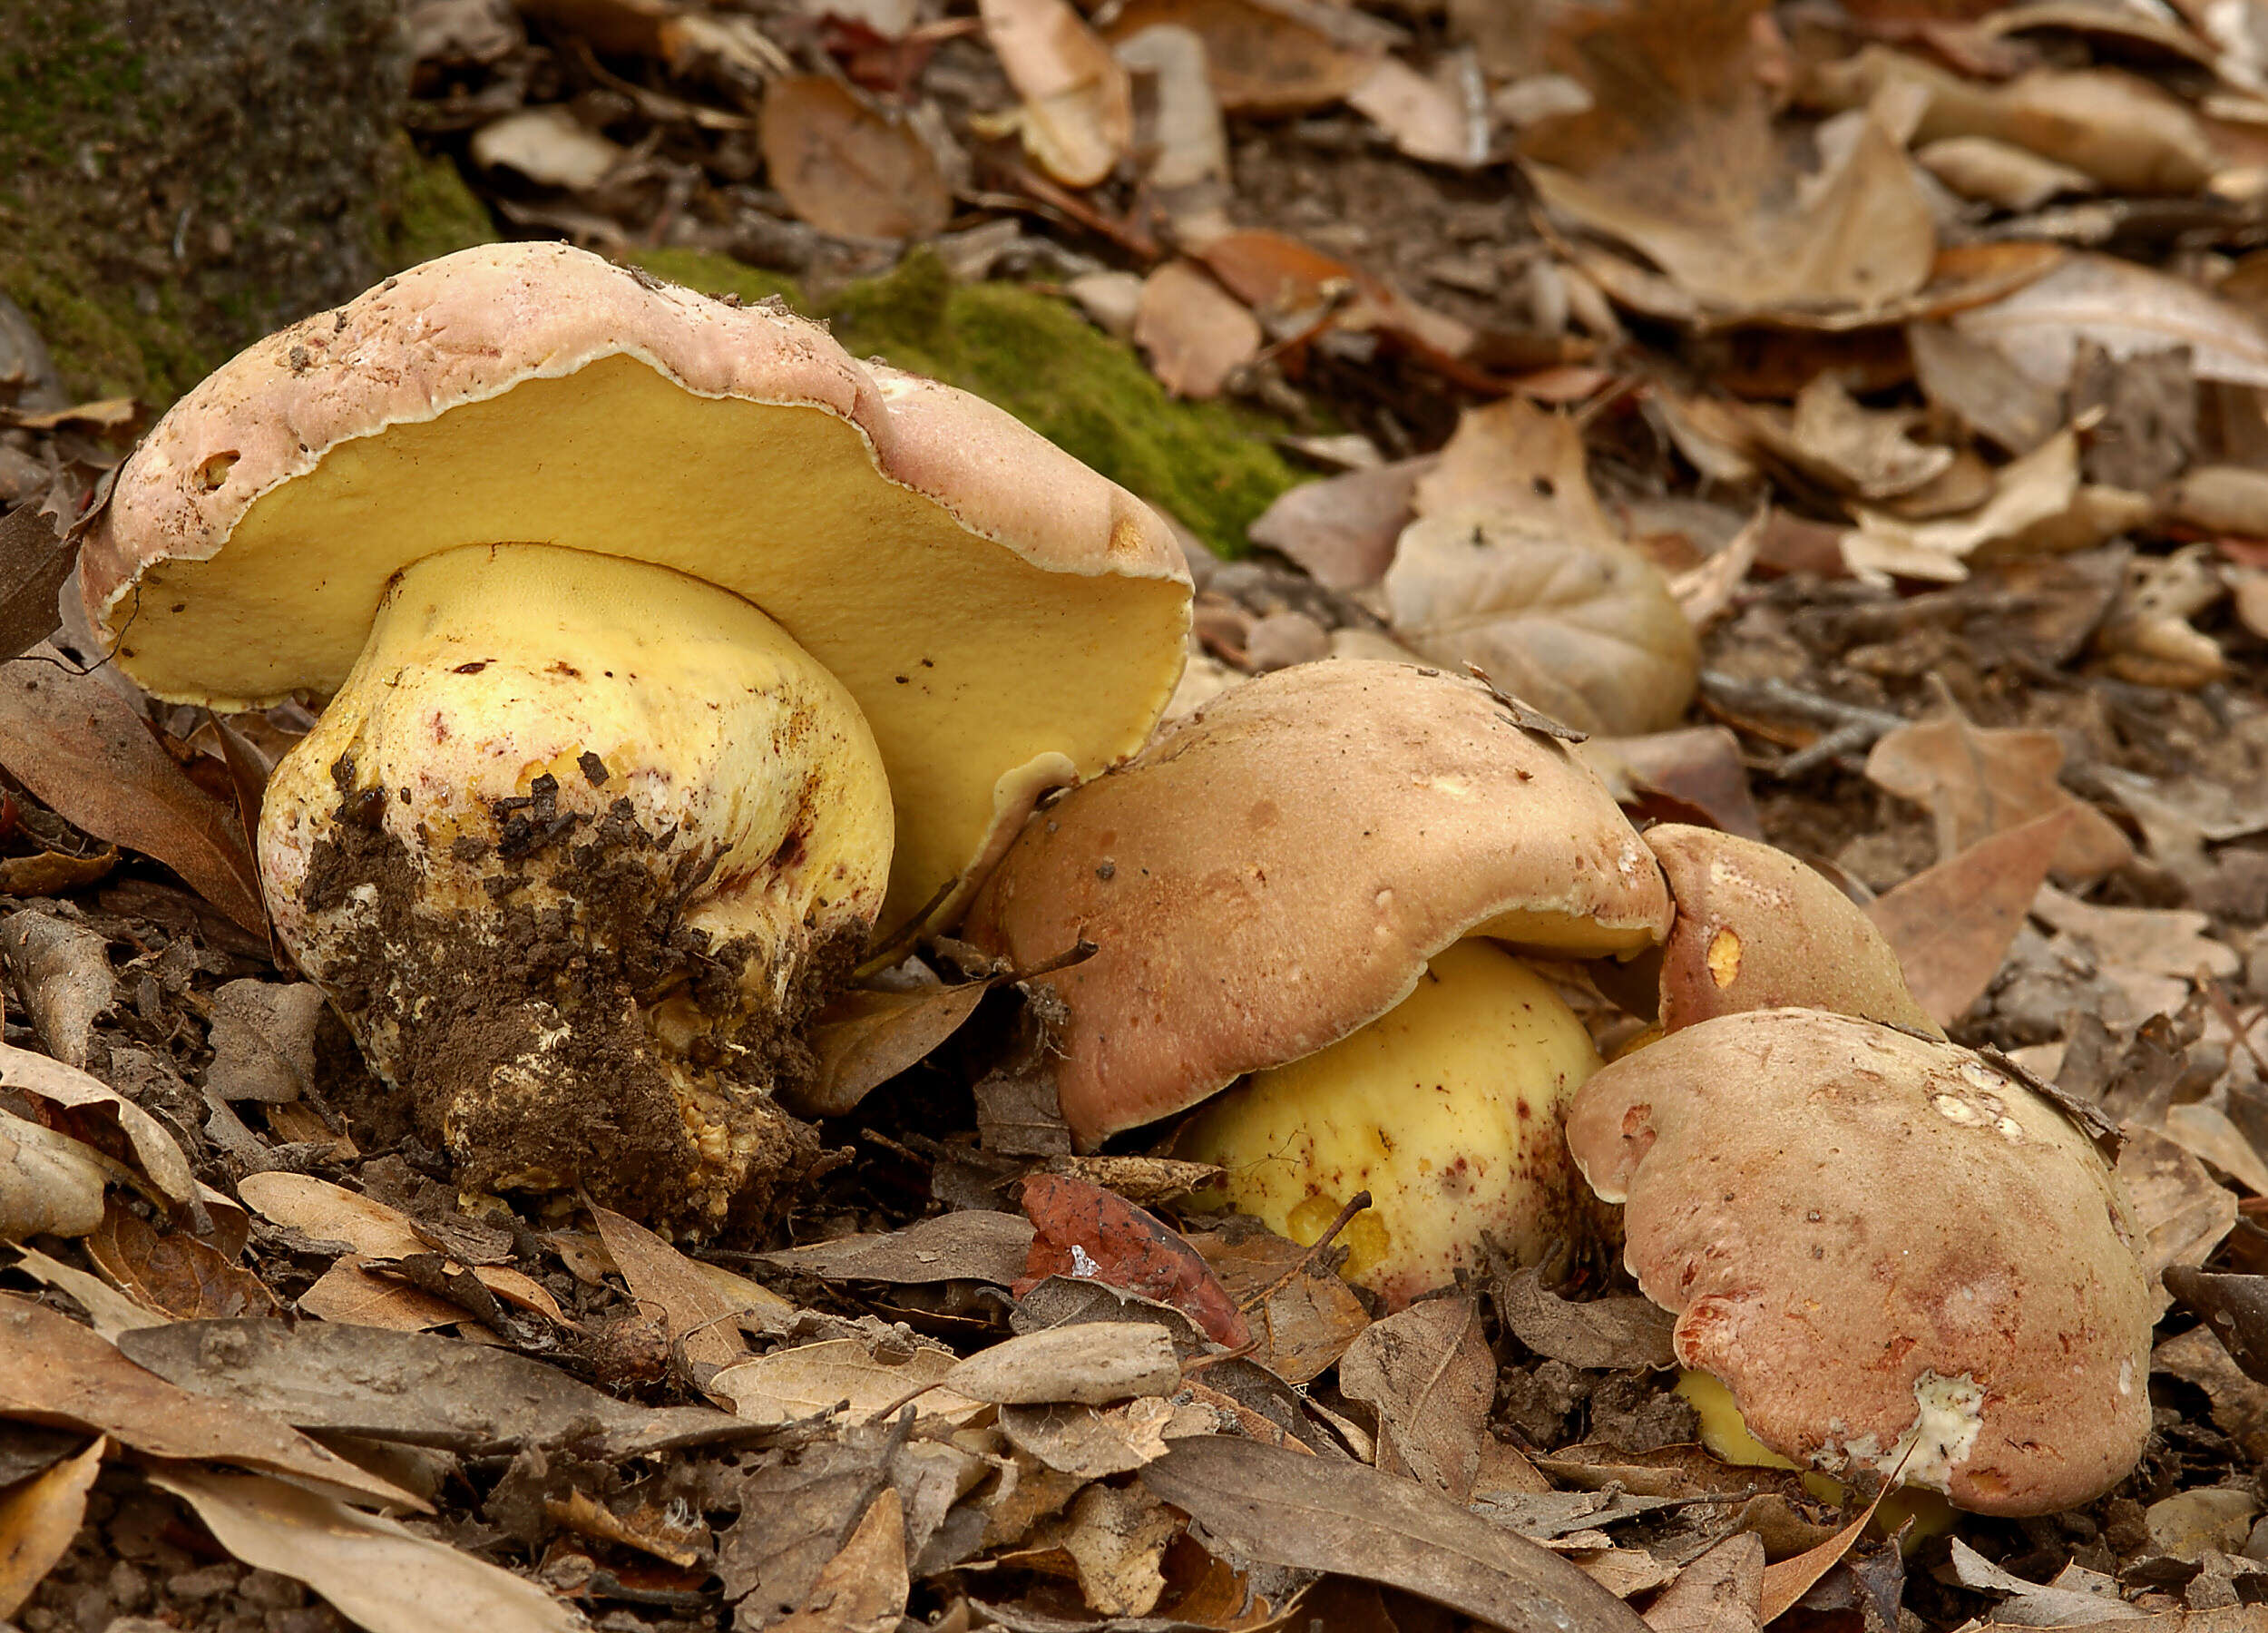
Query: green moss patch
[1211, 464]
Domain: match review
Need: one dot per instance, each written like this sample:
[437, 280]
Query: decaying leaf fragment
[1078, 117]
[1977, 781]
[847, 168]
[1085, 1231]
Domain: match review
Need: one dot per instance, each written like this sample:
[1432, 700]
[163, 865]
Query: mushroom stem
[573, 851]
[1447, 1109]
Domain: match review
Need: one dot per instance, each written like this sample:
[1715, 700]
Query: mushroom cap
[1879, 1241]
[1276, 869]
[1757, 929]
[1007, 620]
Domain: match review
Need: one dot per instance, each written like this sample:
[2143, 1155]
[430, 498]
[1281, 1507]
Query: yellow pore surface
[489, 667]
[976, 671]
[1448, 1109]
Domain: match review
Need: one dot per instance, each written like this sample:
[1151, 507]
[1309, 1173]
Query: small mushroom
[669, 650]
[1899, 1259]
[1757, 929]
[1284, 884]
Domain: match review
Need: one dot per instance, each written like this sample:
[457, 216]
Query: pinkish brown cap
[1278, 868]
[1886, 1248]
[1007, 620]
[1757, 929]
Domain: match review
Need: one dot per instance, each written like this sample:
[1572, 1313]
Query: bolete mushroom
[1755, 928]
[668, 648]
[1305, 881]
[1896, 1257]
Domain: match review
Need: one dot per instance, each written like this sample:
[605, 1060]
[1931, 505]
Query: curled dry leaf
[2147, 637]
[548, 145]
[1720, 1592]
[1078, 116]
[63, 969]
[1091, 1364]
[50, 1184]
[813, 1378]
[1677, 157]
[864, 1037]
[1999, 173]
[1184, 143]
[103, 1114]
[1440, 117]
[1619, 1334]
[847, 168]
[1341, 530]
[2126, 309]
[84, 753]
[384, 1576]
[2222, 499]
[1196, 333]
[38, 1520]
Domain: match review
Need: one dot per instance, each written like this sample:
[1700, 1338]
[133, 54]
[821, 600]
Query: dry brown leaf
[110, 1311]
[814, 1378]
[38, 1520]
[1698, 771]
[2031, 494]
[1440, 117]
[1677, 157]
[1090, 1443]
[1788, 1581]
[63, 969]
[1264, 56]
[1183, 143]
[864, 1037]
[2155, 940]
[548, 145]
[1117, 1538]
[1295, 288]
[55, 1371]
[263, 1040]
[2222, 499]
[1196, 333]
[1720, 1592]
[846, 167]
[1513, 567]
[1999, 173]
[331, 1213]
[1078, 117]
[1705, 593]
[1857, 451]
[2147, 638]
[2127, 310]
[1429, 1375]
[1977, 781]
[2205, 1132]
[380, 1573]
[105, 1117]
[1088, 1362]
[2183, 1210]
[50, 1184]
[697, 1302]
[1972, 381]
[2123, 131]
[1950, 924]
[84, 753]
[1341, 530]
[188, 1279]
[1302, 1311]
[863, 1588]
[352, 1296]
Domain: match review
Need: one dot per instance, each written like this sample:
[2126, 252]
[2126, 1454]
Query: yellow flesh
[709, 719]
[960, 656]
[1423, 1109]
[1569, 934]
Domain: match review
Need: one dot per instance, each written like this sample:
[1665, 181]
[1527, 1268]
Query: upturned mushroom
[1899, 1260]
[1317, 884]
[667, 650]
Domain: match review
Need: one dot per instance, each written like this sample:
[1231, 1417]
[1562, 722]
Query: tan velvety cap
[1886, 1249]
[1276, 869]
[1007, 620]
[1757, 929]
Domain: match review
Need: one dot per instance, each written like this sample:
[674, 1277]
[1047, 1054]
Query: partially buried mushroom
[669, 650]
[1317, 882]
[1899, 1259]
[1755, 928]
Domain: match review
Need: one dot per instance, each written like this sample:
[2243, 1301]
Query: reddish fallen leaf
[1196, 333]
[81, 749]
[1087, 1232]
[1293, 286]
[1950, 925]
[846, 168]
